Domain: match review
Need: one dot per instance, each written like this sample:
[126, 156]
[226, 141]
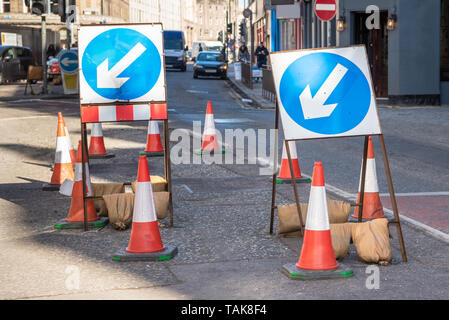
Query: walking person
[243, 53]
[261, 54]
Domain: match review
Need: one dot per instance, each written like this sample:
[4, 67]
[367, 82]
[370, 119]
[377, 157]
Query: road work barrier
[343, 105]
[154, 145]
[62, 168]
[285, 175]
[372, 207]
[97, 149]
[317, 259]
[145, 242]
[209, 142]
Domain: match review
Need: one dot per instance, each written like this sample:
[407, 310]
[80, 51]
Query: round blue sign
[121, 64]
[68, 61]
[325, 93]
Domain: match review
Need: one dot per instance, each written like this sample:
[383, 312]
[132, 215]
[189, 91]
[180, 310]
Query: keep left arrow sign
[108, 78]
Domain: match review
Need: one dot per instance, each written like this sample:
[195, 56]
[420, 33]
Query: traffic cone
[372, 207]
[285, 175]
[97, 149]
[154, 143]
[145, 241]
[62, 168]
[71, 149]
[317, 259]
[210, 143]
[75, 218]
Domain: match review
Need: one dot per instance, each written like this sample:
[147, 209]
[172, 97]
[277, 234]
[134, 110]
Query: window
[444, 41]
[6, 6]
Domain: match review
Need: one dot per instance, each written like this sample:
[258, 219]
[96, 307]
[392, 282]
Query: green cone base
[289, 181]
[294, 273]
[154, 154]
[167, 254]
[101, 156]
[64, 224]
[210, 152]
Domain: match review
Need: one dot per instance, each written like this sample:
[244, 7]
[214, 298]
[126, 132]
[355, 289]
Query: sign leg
[298, 207]
[83, 170]
[362, 180]
[168, 170]
[275, 166]
[393, 198]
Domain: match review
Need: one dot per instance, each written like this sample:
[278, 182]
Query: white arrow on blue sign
[122, 64]
[68, 61]
[325, 93]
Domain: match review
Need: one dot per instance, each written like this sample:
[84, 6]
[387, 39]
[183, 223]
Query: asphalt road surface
[221, 211]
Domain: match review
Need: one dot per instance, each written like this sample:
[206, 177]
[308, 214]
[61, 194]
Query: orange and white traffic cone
[62, 168]
[372, 207]
[97, 150]
[71, 149]
[154, 143]
[75, 218]
[317, 258]
[285, 175]
[145, 242]
[210, 143]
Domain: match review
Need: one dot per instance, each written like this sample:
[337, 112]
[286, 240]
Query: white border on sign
[280, 61]
[153, 31]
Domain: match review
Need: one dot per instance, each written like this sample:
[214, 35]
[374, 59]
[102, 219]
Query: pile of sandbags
[118, 205]
[371, 239]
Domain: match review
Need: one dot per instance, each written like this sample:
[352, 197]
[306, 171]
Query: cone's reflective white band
[293, 153]
[62, 154]
[153, 127]
[68, 138]
[144, 210]
[371, 185]
[66, 187]
[96, 131]
[317, 214]
[79, 176]
[209, 125]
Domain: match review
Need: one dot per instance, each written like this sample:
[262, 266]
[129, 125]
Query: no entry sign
[325, 9]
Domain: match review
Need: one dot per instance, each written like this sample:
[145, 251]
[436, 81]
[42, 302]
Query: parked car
[209, 63]
[14, 63]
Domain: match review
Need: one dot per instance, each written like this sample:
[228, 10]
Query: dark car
[209, 63]
[14, 62]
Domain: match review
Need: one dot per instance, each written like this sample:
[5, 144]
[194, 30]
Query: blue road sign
[121, 64]
[325, 93]
[68, 61]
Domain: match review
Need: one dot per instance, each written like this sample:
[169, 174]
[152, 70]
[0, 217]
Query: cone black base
[50, 187]
[294, 273]
[154, 154]
[64, 224]
[101, 156]
[289, 181]
[167, 254]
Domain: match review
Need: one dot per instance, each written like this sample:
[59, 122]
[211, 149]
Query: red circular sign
[325, 9]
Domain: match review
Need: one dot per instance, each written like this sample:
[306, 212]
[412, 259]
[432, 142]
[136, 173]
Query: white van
[206, 46]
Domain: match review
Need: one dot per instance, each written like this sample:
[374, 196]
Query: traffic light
[242, 29]
[229, 28]
[58, 7]
[37, 7]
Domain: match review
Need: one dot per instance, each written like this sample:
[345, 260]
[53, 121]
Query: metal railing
[268, 91]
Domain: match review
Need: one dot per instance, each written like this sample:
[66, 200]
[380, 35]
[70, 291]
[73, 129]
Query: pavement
[16, 91]
[221, 211]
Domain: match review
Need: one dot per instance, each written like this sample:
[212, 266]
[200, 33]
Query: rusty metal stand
[273, 192]
[167, 169]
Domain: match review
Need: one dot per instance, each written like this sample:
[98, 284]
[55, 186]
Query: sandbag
[341, 238]
[289, 221]
[371, 241]
[101, 189]
[120, 209]
[161, 203]
[157, 182]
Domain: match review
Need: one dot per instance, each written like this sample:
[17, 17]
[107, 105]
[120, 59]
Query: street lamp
[391, 22]
[341, 24]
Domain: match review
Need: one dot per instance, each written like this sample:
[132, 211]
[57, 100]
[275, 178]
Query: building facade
[210, 18]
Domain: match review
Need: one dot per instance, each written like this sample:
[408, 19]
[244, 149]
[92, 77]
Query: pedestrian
[243, 53]
[200, 48]
[51, 51]
[261, 54]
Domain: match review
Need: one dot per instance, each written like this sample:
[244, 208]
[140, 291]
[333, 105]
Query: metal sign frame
[157, 110]
[395, 221]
